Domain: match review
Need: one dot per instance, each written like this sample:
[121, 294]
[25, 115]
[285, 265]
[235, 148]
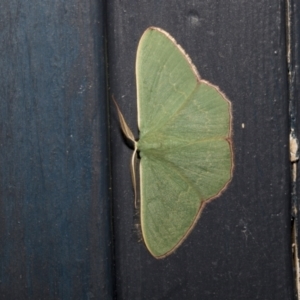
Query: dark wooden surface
[294, 82]
[241, 246]
[54, 183]
[55, 214]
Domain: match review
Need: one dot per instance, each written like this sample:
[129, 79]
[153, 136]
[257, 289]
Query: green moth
[185, 146]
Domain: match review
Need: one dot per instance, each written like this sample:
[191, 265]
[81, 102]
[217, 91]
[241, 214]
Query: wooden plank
[54, 183]
[241, 246]
[293, 31]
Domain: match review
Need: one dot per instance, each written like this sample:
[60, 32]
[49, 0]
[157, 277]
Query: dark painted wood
[241, 246]
[294, 82]
[54, 170]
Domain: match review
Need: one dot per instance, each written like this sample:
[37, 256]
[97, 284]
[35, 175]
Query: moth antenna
[129, 135]
[125, 128]
[133, 174]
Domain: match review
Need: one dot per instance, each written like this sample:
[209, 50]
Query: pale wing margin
[172, 203]
[162, 68]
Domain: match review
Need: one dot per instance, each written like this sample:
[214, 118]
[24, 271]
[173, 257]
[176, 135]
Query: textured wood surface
[241, 246]
[54, 183]
[55, 214]
[294, 93]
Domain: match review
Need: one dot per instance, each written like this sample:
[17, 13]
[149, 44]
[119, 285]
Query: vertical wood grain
[294, 95]
[241, 246]
[54, 163]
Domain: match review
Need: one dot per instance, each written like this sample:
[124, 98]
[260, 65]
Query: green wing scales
[185, 141]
